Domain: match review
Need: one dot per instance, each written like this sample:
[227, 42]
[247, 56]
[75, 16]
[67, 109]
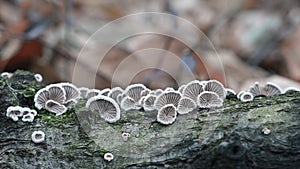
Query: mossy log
[227, 137]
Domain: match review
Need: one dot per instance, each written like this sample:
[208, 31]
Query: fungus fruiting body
[6, 75]
[209, 99]
[40, 98]
[14, 112]
[129, 103]
[167, 114]
[104, 92]
[125, 136]
[291, 89]
[216, 87]
[38, 77]
[148, 102]
[38, 136]
[55, 107]
[240, 94]
[92, 92]
[168, 97]
[193, 89]
[266, 131]
[186, 105]
[114, 92]
[28, 117]
[72, 92]
[83, 92]
[272, 89]
[134, 91]
[255, 89]
[108, 156]
[246, 97]
[56, 93]
[230, 93]
[107, 107]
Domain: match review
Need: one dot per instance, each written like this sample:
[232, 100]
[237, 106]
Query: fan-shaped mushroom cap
[38, 136]
[14, 112]
[38, 77]
[255, 89]
[169, 97]
[186, 105]
[120, 98]
[114, 92]
[129, 103]
[107, 107]
[72, 92]
[209, 99]
[26, 110]
[169, 89]
[134, 91]
[83, 92]
[40, 98]
[156, 92]
[108, 156]
[246, 97]
[148, 103]
[272, 89]
[70, 102]
[56, 93]
[167, 114]
[193, 89]
[55, 107]
[216, 87]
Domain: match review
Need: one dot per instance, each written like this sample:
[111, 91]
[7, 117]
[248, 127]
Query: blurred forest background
[257, 40]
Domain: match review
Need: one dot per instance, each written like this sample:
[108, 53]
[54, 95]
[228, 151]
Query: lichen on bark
[227, 137]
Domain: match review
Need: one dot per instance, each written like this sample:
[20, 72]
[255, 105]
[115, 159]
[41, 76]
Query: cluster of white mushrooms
[16, 112]
[168, 103]
[269, 89]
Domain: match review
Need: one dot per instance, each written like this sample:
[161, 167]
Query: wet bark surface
[227, 137]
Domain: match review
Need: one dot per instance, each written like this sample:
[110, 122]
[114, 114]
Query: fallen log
[264, 133]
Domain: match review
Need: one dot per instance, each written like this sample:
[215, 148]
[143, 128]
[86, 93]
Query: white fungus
[240, 94]
[40, 98]
[192, 90]
[266, 131]
[56, 93]
[108, 156]
[209, 99]
[186, 105]
[271, 89]
[6, 75]
[167, 114]
[125, 136]
[148, 102]
[38, 77]
[291, 89]
[246, 97]
[104, 92]
[92, 92]
[216, 87]
[129, 103]
[255, 89]
[28, 117]
[38, 136]
[134, 91]
[55, 107]
[72, 92]
[168, 97]
[230, 93]
[14, 112]
[108, 108]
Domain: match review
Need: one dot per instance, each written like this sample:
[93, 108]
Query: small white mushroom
[55, 107]
[107, 107]
[14, 112]
[28, 117]
[92, 92]
[83, 92]
[104, 92]
[129, 103]
[167, 114]
[209, 99]
[193, 89]
[246, 97]
[56, 93]
[38, 137]
[125, 136]
[114, 92]
[266, 131]
[40, 98]
[148, 102]
[271, 89]
[186, 105]
[72, 92]
[291, 89]
[167, 97]
[6, 75]
[134, 91]
[255, 89]
[38, 77]
[108, 156]
[216, 87]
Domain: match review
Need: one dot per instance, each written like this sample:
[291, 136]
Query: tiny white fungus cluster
[38, 137]
[16, 112]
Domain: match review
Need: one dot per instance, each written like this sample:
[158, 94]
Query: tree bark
[227, 137]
